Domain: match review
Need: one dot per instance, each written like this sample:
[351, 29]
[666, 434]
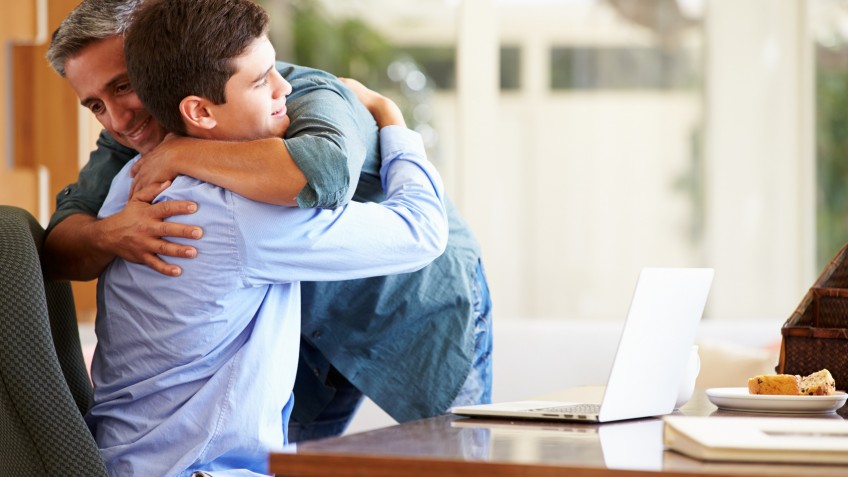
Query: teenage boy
[195, 373]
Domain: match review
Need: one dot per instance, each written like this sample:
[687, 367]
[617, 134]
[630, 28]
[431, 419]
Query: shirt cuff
[396, 139]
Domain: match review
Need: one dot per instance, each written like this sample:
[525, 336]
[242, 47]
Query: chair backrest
[44, 385]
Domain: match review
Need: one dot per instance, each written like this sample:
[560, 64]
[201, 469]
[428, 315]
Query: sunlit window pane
[621, 68]
[828, 20]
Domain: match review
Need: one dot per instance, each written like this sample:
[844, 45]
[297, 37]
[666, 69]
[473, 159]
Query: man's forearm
[261, 170]
[74, 250]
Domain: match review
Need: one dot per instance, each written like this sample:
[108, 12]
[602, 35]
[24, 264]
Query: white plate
[738, 399]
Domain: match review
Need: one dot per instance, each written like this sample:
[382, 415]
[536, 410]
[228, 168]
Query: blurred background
[585, 139]
[581, 139]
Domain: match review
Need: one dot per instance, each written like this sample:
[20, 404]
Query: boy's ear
[196, 113]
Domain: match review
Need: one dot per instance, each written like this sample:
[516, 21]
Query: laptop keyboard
[573, 409]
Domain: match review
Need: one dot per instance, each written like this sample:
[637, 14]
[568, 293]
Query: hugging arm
[261, 170]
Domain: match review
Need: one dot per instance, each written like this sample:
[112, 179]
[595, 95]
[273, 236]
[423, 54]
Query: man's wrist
[387, 113]
[175, 161]
[96, 232]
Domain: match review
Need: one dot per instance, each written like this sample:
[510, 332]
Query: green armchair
[44, 386]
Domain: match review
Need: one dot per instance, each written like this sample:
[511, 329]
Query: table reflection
[621, 445]
[464, 447]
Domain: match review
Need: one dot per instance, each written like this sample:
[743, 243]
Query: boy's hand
[384, 110]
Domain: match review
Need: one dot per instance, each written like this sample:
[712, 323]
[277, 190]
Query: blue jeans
[477, 388]
[335, 417]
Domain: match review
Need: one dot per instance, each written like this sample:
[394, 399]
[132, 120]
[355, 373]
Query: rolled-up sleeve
[325, 140]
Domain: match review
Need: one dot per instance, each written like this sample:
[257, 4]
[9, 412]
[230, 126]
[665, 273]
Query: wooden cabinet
[40, 120]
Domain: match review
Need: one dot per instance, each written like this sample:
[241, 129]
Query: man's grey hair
[90, 21]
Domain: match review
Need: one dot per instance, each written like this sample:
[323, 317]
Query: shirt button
[317, 372]
[316, 334]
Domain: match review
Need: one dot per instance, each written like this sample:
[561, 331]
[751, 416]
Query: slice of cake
[820, 383]
[775, 384]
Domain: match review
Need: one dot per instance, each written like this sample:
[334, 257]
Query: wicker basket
[816, 335]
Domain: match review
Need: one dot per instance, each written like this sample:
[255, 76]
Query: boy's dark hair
[179, 48]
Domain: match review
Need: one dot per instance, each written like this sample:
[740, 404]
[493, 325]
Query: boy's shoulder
[119, 189]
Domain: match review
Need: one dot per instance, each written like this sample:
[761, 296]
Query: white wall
[760, 176]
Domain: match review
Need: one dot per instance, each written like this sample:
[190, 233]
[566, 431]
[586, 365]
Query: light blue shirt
[192, 373]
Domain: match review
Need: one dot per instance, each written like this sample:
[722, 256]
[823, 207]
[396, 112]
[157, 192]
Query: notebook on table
[651, 359]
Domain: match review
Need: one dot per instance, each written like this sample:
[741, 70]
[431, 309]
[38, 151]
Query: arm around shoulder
[261, 169]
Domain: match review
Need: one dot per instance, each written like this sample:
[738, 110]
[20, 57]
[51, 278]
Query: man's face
[256, 97]
[98, 74]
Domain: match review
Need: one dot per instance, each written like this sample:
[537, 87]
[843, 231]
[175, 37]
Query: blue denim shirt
[406, 341]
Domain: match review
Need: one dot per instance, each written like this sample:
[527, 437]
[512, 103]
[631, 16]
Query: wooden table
[451, 446]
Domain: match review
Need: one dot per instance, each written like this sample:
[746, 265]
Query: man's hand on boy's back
[140, 234]
[81, 246]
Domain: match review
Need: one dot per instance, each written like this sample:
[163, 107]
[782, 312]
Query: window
[621, 68]
[510, 66]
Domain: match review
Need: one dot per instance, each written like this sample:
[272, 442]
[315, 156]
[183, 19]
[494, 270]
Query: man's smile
[134, 134]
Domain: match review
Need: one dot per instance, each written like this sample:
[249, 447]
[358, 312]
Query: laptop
[651, 359]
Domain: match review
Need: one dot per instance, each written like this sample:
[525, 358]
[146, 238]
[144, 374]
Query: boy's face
[98, 74]
[256, 97]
